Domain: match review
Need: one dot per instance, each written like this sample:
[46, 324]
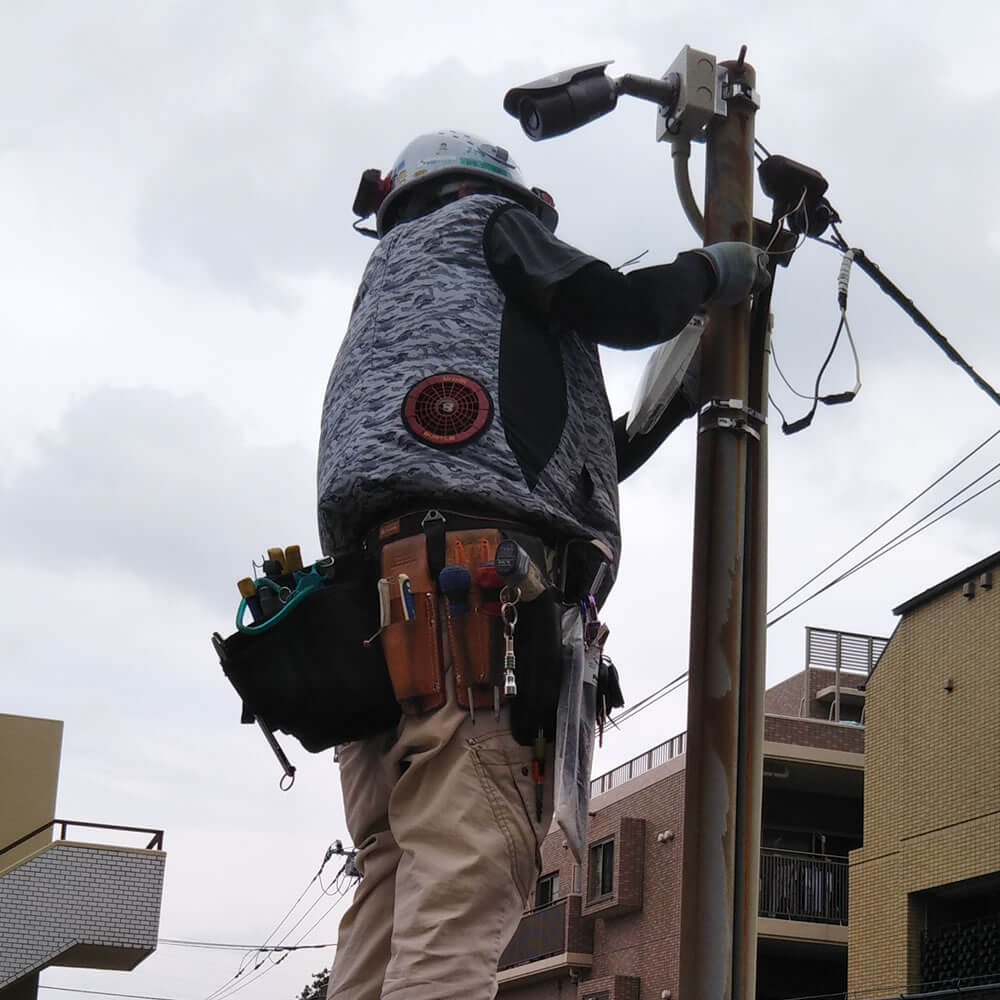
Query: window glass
[602, 869]
[547, 889]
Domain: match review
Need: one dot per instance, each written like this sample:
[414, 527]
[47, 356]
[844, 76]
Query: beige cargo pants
[443, 816]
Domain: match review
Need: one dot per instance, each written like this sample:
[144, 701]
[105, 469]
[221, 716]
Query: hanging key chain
[509, 597]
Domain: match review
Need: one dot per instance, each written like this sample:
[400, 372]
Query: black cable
[890, 518]
[898, 539]
[906, 304]
[103, 993]
[237, 947]
[254, 979]
[252, 953]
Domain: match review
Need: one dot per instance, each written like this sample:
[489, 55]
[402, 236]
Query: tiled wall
[71, 894]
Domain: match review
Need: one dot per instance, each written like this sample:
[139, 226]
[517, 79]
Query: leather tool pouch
[413, 647]
[475, 638]
[311, 675]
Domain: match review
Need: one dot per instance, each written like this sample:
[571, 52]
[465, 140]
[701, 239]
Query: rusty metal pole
[713, 947]
[750, 773]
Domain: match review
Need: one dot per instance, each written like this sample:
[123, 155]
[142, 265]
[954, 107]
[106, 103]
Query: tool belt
[441, 600]
[310, 674]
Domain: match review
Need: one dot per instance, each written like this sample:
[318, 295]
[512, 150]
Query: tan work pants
[447, 833]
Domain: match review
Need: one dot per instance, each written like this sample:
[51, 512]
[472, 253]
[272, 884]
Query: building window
[547, 889]
[602, 869]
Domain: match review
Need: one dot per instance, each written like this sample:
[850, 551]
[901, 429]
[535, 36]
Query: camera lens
[531, 120]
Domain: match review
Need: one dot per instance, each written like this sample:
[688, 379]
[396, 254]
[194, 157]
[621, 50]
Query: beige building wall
[29, 774]
[932, 779]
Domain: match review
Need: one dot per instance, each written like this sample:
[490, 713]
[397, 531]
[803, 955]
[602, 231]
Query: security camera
[562, 102]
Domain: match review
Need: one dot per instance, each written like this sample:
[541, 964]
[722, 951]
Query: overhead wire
[944, 475]
[223, 946]
[904, 536]
[253, 954]
[236, 988]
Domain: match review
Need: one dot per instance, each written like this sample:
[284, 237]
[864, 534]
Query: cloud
[159, 485]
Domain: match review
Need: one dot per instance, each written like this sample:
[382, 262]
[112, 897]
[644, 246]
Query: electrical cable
[254, 952]
[777, 367]
[103, 993]
[897, 540]
[650, 699]
[253, 979]
[217, 945]
[944, 475]
[906, 304]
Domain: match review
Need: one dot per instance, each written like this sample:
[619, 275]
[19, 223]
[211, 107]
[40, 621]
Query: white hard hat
[437, 154]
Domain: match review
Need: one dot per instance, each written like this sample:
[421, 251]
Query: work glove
[739, 270]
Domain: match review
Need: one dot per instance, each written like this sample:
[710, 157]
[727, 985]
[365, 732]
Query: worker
[467, 395]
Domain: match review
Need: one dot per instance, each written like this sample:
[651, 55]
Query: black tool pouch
[310, 675]
[538, 647]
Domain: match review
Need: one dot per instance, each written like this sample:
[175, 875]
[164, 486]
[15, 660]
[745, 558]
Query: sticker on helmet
[447, 409]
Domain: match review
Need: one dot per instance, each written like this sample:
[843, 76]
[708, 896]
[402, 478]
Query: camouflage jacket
[530, 397]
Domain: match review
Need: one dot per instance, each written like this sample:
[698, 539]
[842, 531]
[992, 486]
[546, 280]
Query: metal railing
[660, 754]
[541, 934]
[811, 887]
[849, 651]
[155, 844]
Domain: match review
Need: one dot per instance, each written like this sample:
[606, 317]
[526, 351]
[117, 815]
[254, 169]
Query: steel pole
[750, 774]
[719, 634]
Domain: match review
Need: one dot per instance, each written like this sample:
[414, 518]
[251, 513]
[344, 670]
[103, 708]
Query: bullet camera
[562, 102]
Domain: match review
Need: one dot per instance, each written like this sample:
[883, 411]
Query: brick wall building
[925, 888]
[609, 929]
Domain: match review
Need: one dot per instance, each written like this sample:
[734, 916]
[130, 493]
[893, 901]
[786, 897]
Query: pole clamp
[737, 418]
[739, 88]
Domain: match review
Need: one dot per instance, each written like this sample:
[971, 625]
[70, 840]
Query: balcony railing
[673, 747]
[811, 887]
[546, 931]
[155, 844]
[843, 651]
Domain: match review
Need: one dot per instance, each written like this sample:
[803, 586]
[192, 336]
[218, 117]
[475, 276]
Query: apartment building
[925, 887]
[76, 900]
[610, 929]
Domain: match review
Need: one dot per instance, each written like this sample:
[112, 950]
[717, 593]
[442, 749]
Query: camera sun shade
[562, 102]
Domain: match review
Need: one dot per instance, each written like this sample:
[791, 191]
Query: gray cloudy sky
[175, 184]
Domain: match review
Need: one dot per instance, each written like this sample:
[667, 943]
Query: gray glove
[739, 270]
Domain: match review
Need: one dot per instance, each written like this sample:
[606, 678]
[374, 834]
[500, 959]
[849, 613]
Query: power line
[255, 951]
[890, 518]
[104, 993]
[897, 540]
[906, 304]
[240, 947]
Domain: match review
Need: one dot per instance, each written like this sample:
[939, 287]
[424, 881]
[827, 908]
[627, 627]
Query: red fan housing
[447, 409]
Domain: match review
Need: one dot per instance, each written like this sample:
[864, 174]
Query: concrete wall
[932, 779]
[29, 774]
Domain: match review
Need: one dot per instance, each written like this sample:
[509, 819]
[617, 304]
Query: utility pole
[700, 100]
[723, 770]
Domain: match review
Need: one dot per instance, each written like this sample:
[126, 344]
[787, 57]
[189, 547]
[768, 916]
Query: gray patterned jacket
[428, 303]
